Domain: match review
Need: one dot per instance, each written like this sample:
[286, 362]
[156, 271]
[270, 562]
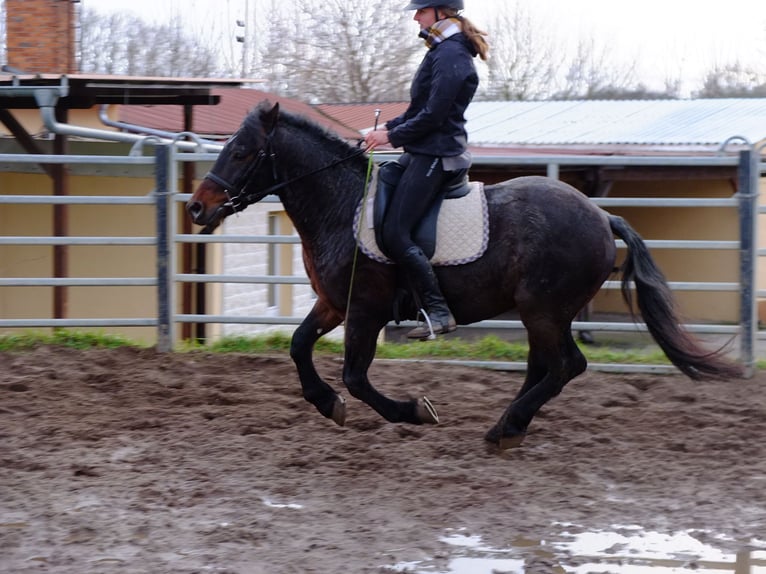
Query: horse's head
[243, 172]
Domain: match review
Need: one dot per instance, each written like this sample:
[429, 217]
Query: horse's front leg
[320, 320]
[361, 342]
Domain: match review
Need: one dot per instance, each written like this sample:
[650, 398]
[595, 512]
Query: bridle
[237, 194]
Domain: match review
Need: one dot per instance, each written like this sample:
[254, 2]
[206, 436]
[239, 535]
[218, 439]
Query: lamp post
[244, 40]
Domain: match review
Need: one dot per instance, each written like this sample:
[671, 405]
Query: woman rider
[432, 133]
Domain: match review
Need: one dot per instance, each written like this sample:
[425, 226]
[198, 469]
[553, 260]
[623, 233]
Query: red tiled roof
[362, 116]
[223, 119]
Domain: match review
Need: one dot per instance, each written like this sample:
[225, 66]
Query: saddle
[454, 231]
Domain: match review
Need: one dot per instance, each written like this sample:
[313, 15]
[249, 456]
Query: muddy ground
[130, 461]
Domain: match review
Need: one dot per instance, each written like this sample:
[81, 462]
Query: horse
[550, 249]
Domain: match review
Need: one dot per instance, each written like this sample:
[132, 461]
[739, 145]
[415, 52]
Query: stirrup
[427, 332]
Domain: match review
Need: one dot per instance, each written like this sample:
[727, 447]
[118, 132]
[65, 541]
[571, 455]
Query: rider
[432, 133]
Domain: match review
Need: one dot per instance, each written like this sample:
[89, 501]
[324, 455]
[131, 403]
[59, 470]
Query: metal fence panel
[168, 241]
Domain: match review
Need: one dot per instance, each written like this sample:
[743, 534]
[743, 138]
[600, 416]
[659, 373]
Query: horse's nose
[194, 209]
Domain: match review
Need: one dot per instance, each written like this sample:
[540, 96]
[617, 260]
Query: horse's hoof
[509, 442]
[504, 442]
[426, 412]
[339, 411]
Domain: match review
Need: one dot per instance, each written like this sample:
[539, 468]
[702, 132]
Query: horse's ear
[269, 119]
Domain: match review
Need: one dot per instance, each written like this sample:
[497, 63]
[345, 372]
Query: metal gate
[168, 240]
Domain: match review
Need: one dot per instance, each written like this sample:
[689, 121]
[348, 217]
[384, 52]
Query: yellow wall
[83, 260]
[685, 223]
[33, 124]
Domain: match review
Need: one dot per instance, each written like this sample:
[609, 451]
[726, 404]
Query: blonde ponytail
[477, 37]
[474, 34]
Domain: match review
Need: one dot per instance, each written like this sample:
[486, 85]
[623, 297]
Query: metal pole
[748, 173]
[60, 221]
[164, 343]
[246, 41]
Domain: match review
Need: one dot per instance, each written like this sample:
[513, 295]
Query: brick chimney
[41, 35]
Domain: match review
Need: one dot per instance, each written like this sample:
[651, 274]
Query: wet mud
[131, 461]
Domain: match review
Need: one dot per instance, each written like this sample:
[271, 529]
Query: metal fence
[168, 240]
[150, 281]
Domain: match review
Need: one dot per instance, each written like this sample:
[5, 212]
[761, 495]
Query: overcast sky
[667, 38]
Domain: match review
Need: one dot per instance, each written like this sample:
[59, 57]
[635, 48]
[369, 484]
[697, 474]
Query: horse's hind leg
[320, 320]
[554, 360]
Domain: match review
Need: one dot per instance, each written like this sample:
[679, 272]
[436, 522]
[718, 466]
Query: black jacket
[441, 90]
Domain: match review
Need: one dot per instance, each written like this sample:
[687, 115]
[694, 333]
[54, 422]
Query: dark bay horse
[550, 249]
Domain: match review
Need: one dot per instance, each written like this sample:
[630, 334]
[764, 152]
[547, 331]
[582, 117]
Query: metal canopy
[82, 91]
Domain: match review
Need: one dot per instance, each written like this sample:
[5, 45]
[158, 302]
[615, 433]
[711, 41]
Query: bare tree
[340, 51]
[345, 51]
[523, 61]
[123, 44]
[526, 63]
[733, 81]
[590, 75]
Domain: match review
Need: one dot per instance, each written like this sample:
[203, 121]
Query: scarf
[440, 31]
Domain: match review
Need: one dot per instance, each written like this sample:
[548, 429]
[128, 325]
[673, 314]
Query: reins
[283, 184]
[364, 206]
[356, 244]
[242, 199]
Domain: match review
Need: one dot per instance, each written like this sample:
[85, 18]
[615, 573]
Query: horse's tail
[657, 306]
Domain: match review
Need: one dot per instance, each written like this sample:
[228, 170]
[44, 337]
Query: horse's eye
[239, 154]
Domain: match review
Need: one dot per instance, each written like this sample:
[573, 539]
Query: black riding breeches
[419, 186]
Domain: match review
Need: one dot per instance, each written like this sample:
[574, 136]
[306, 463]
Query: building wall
[41, 35]
[241, 300]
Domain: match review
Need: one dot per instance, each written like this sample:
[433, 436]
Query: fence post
[742, 565]
[164, 343]
[748, 174]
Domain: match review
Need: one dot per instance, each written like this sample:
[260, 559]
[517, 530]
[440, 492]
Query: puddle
[273, 504]
[624, 550]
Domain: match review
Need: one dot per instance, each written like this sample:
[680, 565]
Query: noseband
[237, 194]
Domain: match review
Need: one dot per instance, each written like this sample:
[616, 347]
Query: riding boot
[419, 270]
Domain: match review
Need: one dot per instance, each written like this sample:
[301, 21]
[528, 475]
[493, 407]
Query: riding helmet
[419, 4]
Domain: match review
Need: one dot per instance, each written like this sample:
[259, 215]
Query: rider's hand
[375, 138]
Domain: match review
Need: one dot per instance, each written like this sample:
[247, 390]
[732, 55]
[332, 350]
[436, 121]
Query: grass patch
[489, 348]
[64, 338]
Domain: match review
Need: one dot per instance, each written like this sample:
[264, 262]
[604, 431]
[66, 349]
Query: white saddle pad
[462, 230]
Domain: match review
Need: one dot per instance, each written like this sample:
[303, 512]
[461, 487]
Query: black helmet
[419, 4]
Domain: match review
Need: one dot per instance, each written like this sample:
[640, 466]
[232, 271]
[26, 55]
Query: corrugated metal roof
[629, 122]
[617, 124]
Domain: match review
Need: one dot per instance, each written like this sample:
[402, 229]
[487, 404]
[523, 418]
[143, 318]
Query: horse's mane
[330, 139]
